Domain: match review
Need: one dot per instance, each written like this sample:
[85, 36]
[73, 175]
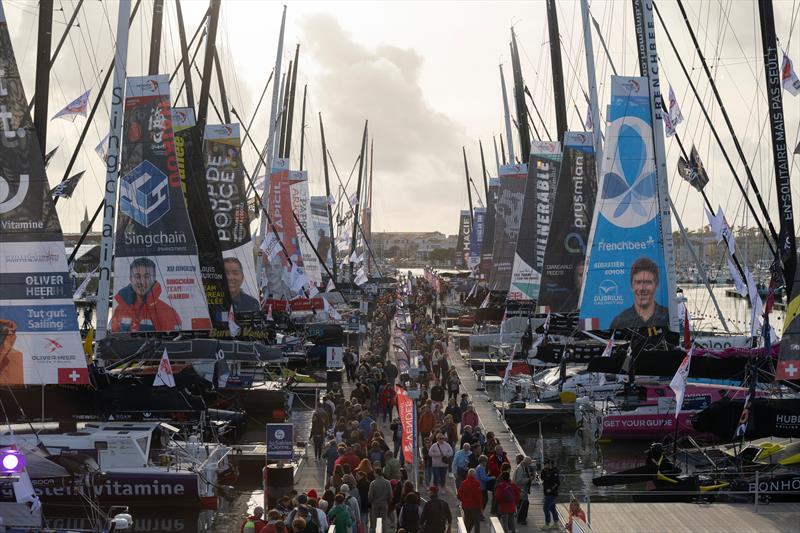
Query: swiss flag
[74, 376]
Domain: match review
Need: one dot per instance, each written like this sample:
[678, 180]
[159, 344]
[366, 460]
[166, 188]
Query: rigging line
[773, 233]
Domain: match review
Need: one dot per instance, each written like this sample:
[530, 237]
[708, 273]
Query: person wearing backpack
[409, 513]
[340, 515]
[507, 495]
[254, 523]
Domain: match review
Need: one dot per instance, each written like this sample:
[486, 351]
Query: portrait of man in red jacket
[137, 305]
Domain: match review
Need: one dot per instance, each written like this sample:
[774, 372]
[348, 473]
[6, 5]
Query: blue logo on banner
[280, 442]
[144, 194]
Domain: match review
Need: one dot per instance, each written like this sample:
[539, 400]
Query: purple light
[10, 461]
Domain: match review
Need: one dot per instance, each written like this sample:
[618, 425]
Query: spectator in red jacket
[254, 523]
[507, 495]
[471, 497]
[469, 418]
[349, 458]
[496, 461]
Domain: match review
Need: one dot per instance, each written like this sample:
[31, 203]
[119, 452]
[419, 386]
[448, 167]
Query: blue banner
[626, 280]
[280, 442]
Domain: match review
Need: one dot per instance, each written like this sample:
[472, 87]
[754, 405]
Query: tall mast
[368, 237]
[507, 116]
[557, 69]
[483, 170]
[112, 168]
[497, 157]
[43, 72]
[287, 88]
[519, 101]
[595, 109]
[287, 143]
[187, 68]
[361, 170]
[502, 152]
[208, 63]
[155, 36]
[270, 142]
[328, 198]
[303, 127]
[223, 94]
[469, 191]
[786, 246]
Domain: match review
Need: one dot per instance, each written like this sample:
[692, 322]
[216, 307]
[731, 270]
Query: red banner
[405, 407]
[298, 304]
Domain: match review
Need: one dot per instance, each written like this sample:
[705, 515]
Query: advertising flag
[279, 208]
[508, 216]
[79, 106]
[678, 383]
[476, 238]
[157, 279]
[789, 78]
[627, 282]
[573, 207]
[405, 408]
[300, 203]
[227, 194]
[39, 339]
[537, 215]
[462, 243]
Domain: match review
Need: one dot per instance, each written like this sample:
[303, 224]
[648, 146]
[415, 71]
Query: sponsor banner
[302, 208]
[320, 231]
[462, 244]
[573, 207]
[537, 213]
[405, 409]
[298, 304]
[476, 238]
[335, 357]
[280, 442]
[508, 216]
[487, 247]
[38, 322]
[626, 276]
[188, 150]
[157, 279]
[227, 193]
[279, 208]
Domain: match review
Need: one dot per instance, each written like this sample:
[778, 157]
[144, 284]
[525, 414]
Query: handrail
[378, 525]
[332, 528]
[495, 524]
[461, 525]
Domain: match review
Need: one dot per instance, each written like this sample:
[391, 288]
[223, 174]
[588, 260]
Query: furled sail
[222, 151]
[508, 215]
[626, 283]
[565, 255]
[39, 339]
[157, 280]
[537, 215]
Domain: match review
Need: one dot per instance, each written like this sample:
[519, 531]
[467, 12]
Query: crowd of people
[360, 442]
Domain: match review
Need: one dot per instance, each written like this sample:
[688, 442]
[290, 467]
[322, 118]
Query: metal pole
[287, 145]
[223, 94]
[361, 169]
[557, 70]
[303, 127]
[155, 36]
[328, 193]
[519, 101]
[593, 103]
[469, 191]
[208, 62]
[507, 116]
[112, 170]
[44, 43]
[187, 71]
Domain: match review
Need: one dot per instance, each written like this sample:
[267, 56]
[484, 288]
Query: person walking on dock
[340, 515]
[380, 494]
[254, 523]
[471, 498]
[436, 516]
[507, 495]
[550, 483]
[460, 465]
[523, 477]
[441, 454]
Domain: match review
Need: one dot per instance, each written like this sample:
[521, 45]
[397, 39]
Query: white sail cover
[39, 339]
[157, 280]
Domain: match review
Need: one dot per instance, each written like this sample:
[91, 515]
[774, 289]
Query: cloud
[417, 161]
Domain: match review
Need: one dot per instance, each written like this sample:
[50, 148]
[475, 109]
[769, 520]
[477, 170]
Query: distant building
[415, 247]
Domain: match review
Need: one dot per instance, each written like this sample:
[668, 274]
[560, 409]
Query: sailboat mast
[483, 170]
[369, 202]
[303, 126]
[507, 116]
[469, 191]
[112, 170]
[597, 136]
[519, 101]
[43, 72]
[787, 246]
[155, 36]
[502, 152]
[496, 156]
[557, 69]
[361, 165]
[287, 142]
[328, 199]
[208, 62]
[223, 94]
[287, 87]
[187, 69]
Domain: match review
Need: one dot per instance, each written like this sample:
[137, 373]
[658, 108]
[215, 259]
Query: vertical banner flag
[157, 281]
[508, 216]
[335, 356]
[39, 339]
[678, 383]
[301, 206]
[405, 409]
[476, 238]
[320, 230]
[227, 194]
[199, 192]
[279, 208]
[537, 215]
[565, 256]
[626, 280]
[789, 78]
[462, 252]
[487, 247]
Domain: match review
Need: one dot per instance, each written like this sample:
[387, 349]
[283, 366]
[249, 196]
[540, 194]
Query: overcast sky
[425, 75]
